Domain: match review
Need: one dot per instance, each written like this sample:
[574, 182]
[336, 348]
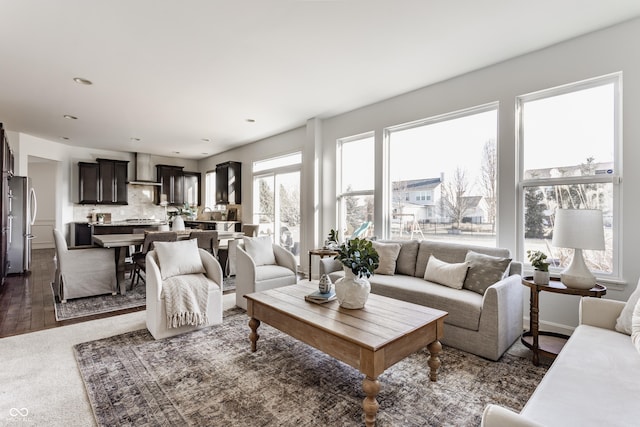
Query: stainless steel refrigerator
[22, 215]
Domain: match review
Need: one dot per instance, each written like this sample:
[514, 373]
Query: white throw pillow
[260, 249]
[387, 254]
[451, 275]
[635, 326]
[178, 258]
[623, 323]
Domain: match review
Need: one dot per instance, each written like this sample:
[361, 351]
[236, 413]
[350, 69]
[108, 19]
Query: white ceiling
[174, 72]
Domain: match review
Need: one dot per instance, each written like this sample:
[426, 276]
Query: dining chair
[139, 260]
[207, 240]
[227, 253]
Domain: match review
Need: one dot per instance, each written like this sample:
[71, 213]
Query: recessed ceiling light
[205, 140]
[176, 152]
[66, 138]
[205, 154]
[135, 139]
[251, 120]
[82, 81]
[70, 117]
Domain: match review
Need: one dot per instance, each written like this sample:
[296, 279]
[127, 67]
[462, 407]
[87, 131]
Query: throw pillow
[443, 273]
[387, 254]
[635, 326]
[260, 250]
[178, 258]
[484, 271]
[623, 322]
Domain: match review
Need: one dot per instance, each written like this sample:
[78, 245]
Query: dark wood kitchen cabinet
[104, 182]
[228, 183]
[171, 179]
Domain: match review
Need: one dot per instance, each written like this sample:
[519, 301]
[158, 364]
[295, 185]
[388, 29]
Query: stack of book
[320, 298]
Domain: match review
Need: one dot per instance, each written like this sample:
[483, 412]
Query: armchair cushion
[484, 271]
[260, 249]
[178, 258]
[623, 323]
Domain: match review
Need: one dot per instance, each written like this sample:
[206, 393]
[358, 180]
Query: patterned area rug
[89, 306]
[210, 377]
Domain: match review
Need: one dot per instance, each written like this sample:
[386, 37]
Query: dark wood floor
[26, 301]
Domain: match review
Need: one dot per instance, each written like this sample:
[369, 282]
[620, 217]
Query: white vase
[540, 277]
[351, 291]
[178, 223]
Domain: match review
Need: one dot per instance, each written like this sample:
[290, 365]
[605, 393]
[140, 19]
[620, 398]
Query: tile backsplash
[141, 205]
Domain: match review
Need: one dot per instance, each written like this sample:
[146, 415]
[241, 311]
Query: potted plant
[359, 259]
[541, 267]
[100, 218]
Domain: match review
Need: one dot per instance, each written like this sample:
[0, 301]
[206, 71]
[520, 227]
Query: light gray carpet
[89, 306]
[210, 377]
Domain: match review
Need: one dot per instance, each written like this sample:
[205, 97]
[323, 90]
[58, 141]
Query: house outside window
[443, 177]
[569, 142]
[356, 180]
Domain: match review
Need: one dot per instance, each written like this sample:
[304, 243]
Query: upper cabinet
[192, 188]
[228, 183]
[103, 183]
[171, 179]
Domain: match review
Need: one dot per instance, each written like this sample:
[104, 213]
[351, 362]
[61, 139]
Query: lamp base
[577, 275]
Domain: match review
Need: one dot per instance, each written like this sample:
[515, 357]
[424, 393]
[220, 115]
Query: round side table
[543, 343]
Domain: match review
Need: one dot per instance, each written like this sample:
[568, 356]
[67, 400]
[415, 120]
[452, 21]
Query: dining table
[120, 241]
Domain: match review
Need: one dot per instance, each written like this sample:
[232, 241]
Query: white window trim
[615, 178]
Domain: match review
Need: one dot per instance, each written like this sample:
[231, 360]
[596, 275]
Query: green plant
[537, 260]
[333, 236]
[358, 255]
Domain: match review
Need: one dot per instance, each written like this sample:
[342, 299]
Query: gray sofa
[483, 324]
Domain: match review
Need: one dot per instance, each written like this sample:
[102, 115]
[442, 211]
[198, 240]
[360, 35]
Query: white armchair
[156, 309]
[83, 272]
[253, 276]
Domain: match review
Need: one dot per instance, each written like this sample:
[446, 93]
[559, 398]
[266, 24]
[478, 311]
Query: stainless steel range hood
[144, 171]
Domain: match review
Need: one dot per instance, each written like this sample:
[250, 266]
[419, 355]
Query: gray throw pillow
[484, 271]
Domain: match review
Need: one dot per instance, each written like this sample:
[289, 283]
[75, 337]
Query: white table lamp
[578, 229]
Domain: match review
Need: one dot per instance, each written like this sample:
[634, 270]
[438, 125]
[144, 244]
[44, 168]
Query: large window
[276, 200]
[210, 196]
[356, 179]
[443, 173]
[569, 138]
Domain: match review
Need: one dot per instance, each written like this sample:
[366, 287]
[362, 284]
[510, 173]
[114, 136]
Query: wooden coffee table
[372, 339]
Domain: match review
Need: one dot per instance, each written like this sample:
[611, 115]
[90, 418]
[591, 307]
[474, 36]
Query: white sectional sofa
[485, 323]
[594, 381]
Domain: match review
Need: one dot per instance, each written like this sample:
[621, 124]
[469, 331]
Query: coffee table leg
[371, 387]
[434, 361]
[253, 336]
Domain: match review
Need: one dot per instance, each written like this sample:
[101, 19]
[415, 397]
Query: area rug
[211, 378]
[90, 306]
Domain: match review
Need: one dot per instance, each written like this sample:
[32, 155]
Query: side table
[544, 343]
[321, 253]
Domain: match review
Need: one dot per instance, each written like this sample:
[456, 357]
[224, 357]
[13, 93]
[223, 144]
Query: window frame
[615, 178]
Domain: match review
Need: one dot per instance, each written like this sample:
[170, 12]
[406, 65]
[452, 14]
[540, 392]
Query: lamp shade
[578, 229]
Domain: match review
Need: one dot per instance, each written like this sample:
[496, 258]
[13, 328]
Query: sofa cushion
[594, 362]
[623, 323]
[484, 271]
[260, 249]
[635, 326]
[406, 262]
[464, 307]
[450, 252]
[444, 273]
[178, 258]
[387, 254]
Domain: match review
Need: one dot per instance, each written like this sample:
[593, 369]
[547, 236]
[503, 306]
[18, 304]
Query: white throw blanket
[185, 299]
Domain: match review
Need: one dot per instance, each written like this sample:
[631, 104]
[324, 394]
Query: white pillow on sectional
[635, 326]
[623, 323]
[451, 275]
[260, 250]
[178, 258]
